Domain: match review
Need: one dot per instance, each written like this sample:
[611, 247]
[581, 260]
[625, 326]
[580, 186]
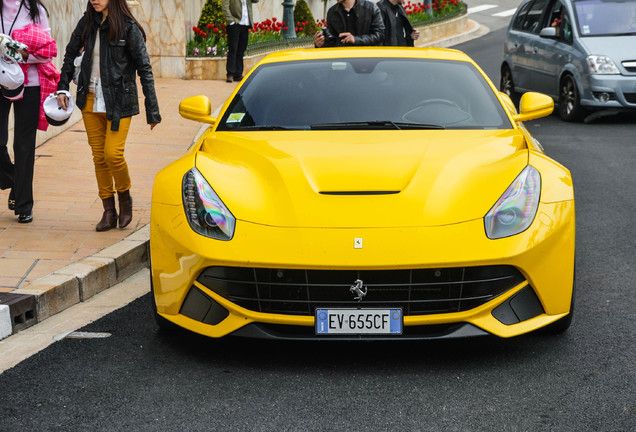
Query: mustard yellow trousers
[108, 150]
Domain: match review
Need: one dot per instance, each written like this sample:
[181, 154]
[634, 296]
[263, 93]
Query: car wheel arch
[514, 94]
[573, 71]
[577, 110]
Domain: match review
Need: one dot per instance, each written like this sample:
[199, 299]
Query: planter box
[213, 68]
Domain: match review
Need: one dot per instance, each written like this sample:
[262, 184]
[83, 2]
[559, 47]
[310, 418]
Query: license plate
[358, 321]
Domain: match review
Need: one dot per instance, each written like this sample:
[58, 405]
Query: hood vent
[359, 192]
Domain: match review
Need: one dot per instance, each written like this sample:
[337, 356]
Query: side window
[566, 28]
[517, 22]
[534, 18]
[558, 18]
[553, 17]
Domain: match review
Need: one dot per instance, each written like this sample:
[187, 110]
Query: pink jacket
[43, 46]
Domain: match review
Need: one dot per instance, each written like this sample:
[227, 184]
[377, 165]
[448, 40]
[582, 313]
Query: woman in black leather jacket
[114, 51]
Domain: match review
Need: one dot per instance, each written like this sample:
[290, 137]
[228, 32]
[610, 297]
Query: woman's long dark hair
[118, 11]
[32, 6]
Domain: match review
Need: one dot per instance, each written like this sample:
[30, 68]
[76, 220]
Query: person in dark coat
[351, 22]
[398, 30]
[238, 20]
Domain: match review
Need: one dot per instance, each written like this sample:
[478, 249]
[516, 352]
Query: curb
[79, 281]
[476, 30]
[74, 283]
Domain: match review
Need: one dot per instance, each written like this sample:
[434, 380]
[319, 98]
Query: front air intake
[416, 291]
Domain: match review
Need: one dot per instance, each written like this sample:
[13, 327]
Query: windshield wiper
[377, 124]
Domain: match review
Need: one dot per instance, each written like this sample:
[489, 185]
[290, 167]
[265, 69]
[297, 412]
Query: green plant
[212, 14]
[304, 19]
[419, 12]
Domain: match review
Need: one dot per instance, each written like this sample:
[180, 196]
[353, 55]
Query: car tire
[570, 108]
[564, 323]
[507, 84]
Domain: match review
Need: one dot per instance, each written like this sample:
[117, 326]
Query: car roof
[368, 52]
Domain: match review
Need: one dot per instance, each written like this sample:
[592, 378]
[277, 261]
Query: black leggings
[19, 176]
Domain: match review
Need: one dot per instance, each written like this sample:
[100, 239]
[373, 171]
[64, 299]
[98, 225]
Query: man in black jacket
[397, 27]
[351, 22]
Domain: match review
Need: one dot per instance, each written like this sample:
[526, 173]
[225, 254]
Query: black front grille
[416, 291]
[630, 97]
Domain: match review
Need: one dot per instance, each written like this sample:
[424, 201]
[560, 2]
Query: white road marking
[480, 8]
[507, 13]
[24, 344]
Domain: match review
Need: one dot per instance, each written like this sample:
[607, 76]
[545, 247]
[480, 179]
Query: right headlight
[206, 213]
[602, 65]
[514, 212]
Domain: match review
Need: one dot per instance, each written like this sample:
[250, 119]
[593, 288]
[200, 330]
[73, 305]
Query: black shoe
[228, 78]
[25, 218]
[11, 201]
[238, 78]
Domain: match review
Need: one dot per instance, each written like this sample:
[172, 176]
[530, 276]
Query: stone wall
[274, 8]
[168, 25]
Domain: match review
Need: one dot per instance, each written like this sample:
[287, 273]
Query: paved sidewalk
[59, 259]
[46, 266]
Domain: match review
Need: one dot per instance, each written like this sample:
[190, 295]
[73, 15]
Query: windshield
[365, 93]
[606, 17]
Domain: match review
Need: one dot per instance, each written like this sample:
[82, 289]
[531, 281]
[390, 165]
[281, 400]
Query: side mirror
[533, 106]
[197, 108]
[548, 33]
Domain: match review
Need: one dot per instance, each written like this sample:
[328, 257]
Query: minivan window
[606, 17]
[558, 18]
[533, 20]
[517, 23]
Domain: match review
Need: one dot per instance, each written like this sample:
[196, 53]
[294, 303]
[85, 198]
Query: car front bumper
[621, 90]
[543, 254]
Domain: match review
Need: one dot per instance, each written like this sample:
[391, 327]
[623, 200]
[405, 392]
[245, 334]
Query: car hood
[347, 179]
[619, 48]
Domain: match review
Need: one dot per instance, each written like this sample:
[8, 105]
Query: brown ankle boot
[109, 218]
[125, 208]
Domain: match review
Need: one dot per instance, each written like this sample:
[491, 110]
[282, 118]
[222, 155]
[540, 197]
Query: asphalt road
[585, 380]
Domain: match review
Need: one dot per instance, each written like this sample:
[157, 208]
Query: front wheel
[507, 85]
[570, 108]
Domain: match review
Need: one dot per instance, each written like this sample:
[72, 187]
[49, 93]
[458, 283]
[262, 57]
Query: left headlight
[206, 213]
[515, 210]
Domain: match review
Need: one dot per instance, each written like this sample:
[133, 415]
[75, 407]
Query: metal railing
[280, 44]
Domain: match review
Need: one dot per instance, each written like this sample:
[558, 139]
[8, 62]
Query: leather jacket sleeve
[376, 31]
[137, 49]
[72, 50]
